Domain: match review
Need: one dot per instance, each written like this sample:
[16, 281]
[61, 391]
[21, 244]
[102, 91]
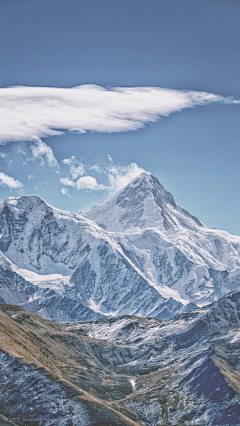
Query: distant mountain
[137, 253]
[122, 371]
[144, 203]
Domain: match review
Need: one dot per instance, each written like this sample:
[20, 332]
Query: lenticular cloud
[35, 112]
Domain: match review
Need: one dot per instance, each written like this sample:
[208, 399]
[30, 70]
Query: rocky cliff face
[137, 253]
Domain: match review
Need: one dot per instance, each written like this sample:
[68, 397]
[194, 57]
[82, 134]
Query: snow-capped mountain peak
[137, 252]
[143, 203]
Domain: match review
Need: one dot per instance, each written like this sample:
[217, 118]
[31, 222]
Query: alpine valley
[127, 314]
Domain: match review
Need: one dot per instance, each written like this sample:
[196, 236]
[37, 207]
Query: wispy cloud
[28, 113]
[120, 176]
[40, 150]
[10, 181]
[3, 155]
[36, 150]
[97, 169]
[67, 182]
[64, 191]
[110, 158]
[76, 168]
[116, 176]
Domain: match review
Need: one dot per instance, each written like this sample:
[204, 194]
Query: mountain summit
[137, 253]
[143, 203]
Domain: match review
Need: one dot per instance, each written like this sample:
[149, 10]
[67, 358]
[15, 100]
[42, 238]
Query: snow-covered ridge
[144, 203]
[137, 253]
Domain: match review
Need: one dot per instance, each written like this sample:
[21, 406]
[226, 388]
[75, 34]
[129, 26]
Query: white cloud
[120, 176]
[89, 182]
[28, 113]
[85, 182]
[40, 150]
[117, 176]
[97, 169]
[30, 177]
[9, 181]
[76, 168]
[3, 155]
[67, 182]
[64, 191]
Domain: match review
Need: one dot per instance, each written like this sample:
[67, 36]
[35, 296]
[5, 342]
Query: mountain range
[138, 314]
[135, 253]
[122, 371]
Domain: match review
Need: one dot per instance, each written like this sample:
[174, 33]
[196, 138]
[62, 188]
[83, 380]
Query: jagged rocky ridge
[137, 253]
[122, 371]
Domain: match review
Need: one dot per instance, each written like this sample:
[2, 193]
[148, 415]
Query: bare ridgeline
[146, 307]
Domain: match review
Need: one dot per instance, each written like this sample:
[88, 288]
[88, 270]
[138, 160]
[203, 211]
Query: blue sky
[188, 140]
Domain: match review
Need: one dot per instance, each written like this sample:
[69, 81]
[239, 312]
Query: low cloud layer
[28, 113]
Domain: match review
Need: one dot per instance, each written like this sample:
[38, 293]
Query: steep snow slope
[173, 247]
[144, 203]
[153, 258]
[43, 296]
[79, 262]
